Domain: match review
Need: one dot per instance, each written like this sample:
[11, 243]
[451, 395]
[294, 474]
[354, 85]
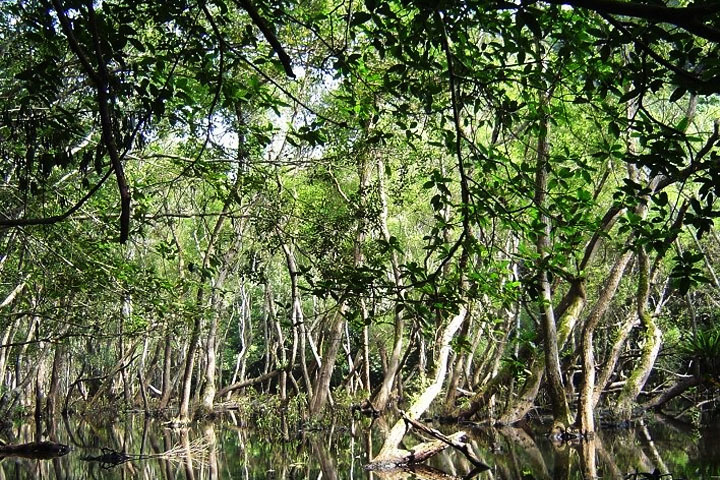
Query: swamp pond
[230, 448]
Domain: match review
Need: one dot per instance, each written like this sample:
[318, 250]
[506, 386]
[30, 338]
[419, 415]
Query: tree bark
[51, 405]
[167, 369]
[322, 385]
[680, 387]
[296, 316]
[653, 340]
[561, 410]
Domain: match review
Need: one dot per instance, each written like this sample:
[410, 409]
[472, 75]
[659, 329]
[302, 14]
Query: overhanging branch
[690, 18]
[269, 35]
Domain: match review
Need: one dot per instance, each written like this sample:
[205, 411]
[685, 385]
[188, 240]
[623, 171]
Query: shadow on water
[136, 447]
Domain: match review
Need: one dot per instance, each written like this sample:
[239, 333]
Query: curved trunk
[676, 390]
[620, 337]
[525, 402]
[573, 307]
[653, 341]
[389, 450]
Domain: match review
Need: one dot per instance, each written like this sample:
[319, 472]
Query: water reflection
[137, 447]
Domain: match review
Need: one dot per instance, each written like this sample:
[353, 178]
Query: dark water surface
[226, 449]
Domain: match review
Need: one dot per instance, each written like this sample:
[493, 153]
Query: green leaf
[359, 18]
[614, 129]
[677, 94]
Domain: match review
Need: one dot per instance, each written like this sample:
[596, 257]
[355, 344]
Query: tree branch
[688, 18]
[101, 81]
[269, 35]
[21, 222]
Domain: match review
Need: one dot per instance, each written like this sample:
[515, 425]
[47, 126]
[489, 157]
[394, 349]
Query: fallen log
[460, 445]
[400, 458]
[108, 459]
[35, 450]
[390, 453]
[248, 383]
[657, 402]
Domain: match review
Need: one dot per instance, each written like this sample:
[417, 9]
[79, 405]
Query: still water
[229, 448]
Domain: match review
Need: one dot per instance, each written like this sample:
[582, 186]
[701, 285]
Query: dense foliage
[313, 198]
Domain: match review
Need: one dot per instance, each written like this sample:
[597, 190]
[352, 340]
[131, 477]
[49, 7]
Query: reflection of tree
[588, 458]
[650, 444]
[419, 472]
[608, 460]
[522, 451]
[188, 463]
[211, 439]
[628, 452]
[562, 461]
[327, 465]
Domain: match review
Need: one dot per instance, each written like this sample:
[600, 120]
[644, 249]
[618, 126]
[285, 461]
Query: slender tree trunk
[456, 372]
[382, 396]
[184, 413]
[167, 369]
[620, 337]
[561, 411]
[297, 318]
[586, 420]
[126, 316]
[269, 305]
[57, 365]
[7, 337]
[208, 397]
[186, 388]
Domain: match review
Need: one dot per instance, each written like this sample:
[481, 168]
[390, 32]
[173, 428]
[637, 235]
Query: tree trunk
[390, 451]
[208, 397]
[573, 305]
[620, 337]
[322, 386]
[680, 387]
[296, 316]
[282, 385]
[186, 388]
[381, 398]
[167, 369]
[653, 341]
[57, 365]
[553, 372]
[586, 420]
